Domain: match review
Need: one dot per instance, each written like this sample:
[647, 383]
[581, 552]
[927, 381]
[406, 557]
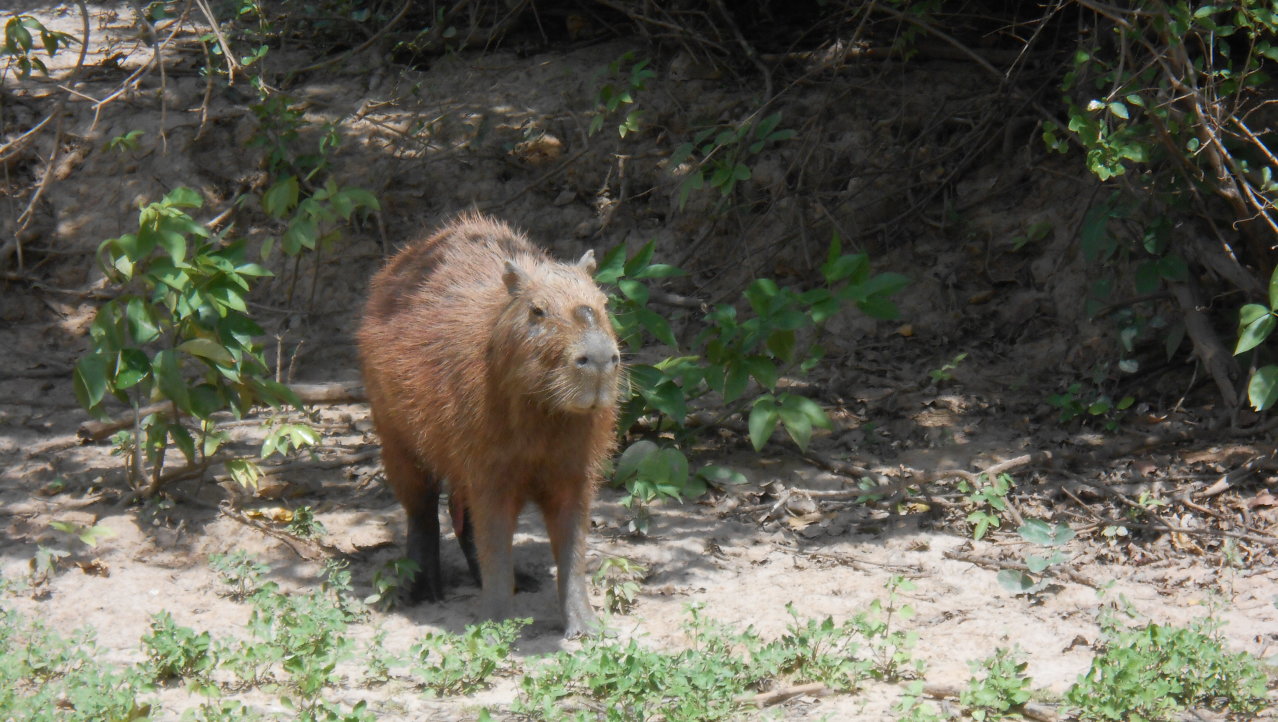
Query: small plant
[44, 564]
[1036, 531]
[304, 525]
[986, 499]
[910, 706]
[88, 534]
[389, 581]
[240, 571]
[943, 374]
[45, 676]
[183, 314]
[626, 77]
[1256, 322]
[821, 651]
[620, 578]
[448, 664]
[176, 652]
[1072, 405]
[735, 349]
[1154, 672]
[19, 49]
[723, 154]
[378, 661]
[999, 688]
[891, 649]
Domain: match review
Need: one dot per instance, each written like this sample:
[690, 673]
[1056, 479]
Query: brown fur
[468, 383]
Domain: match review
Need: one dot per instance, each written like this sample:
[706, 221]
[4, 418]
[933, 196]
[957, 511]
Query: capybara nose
[598, 353]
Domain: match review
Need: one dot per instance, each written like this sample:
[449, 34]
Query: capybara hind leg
[465, 531]
[525, 582]
[565, 522]
[494, 525]
[423, 549]
[418, 493]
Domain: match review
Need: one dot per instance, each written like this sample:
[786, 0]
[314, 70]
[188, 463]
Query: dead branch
[1000, 564]
[367, 43]
[337, 392]
[1219, 362]
[777, 696]
[1032, 710]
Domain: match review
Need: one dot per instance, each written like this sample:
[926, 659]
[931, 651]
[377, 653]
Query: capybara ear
[587, 262]
[515, 278]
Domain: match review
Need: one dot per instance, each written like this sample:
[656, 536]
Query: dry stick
[1032, 710]
[1001, 564]
[749, 51]
[1215, 357]
[232, 65]
[312, 549]
[28, 214]
[339, 392]
[777, 696]
[376, 36]
[143, 69]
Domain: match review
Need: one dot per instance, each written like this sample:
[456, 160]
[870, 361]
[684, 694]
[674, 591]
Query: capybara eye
[538, 312]
[582, 360]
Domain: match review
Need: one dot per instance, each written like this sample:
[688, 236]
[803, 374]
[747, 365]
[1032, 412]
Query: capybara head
[554, 338]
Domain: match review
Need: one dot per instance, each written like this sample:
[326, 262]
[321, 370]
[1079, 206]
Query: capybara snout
[494, 369]
[567, 339]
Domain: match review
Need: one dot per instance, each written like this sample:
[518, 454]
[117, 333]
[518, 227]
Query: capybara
[493, 368]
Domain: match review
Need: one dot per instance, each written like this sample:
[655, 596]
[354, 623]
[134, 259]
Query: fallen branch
[1032, 710]
[1001, 564]
[337, 392]
[777, 696]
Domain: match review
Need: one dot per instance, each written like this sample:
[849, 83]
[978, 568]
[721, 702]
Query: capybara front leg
[566, 523]
[494, 525]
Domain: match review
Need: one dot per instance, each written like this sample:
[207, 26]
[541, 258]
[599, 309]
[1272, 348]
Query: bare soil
[472, 130]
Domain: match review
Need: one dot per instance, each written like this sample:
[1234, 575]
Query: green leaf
[1262, 389]
[736, 376]
[763, 421]
[182, 439]
[207, 348]
[244, 472]
[667, 397]
[1273, 288]
[612, 267]
[657, 325]
[206, 400]
[90, 380]
[633, 290]
[720, 476]
[281, 198]
[183, 197]
[1016, 582]
[141, 321]
[641, 259]
[1036, 564]
[763, 371]
[168, 375]
[1038, 531]
[1119, 110]
[1255, 332]
[131, 368]
[1094, 233]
